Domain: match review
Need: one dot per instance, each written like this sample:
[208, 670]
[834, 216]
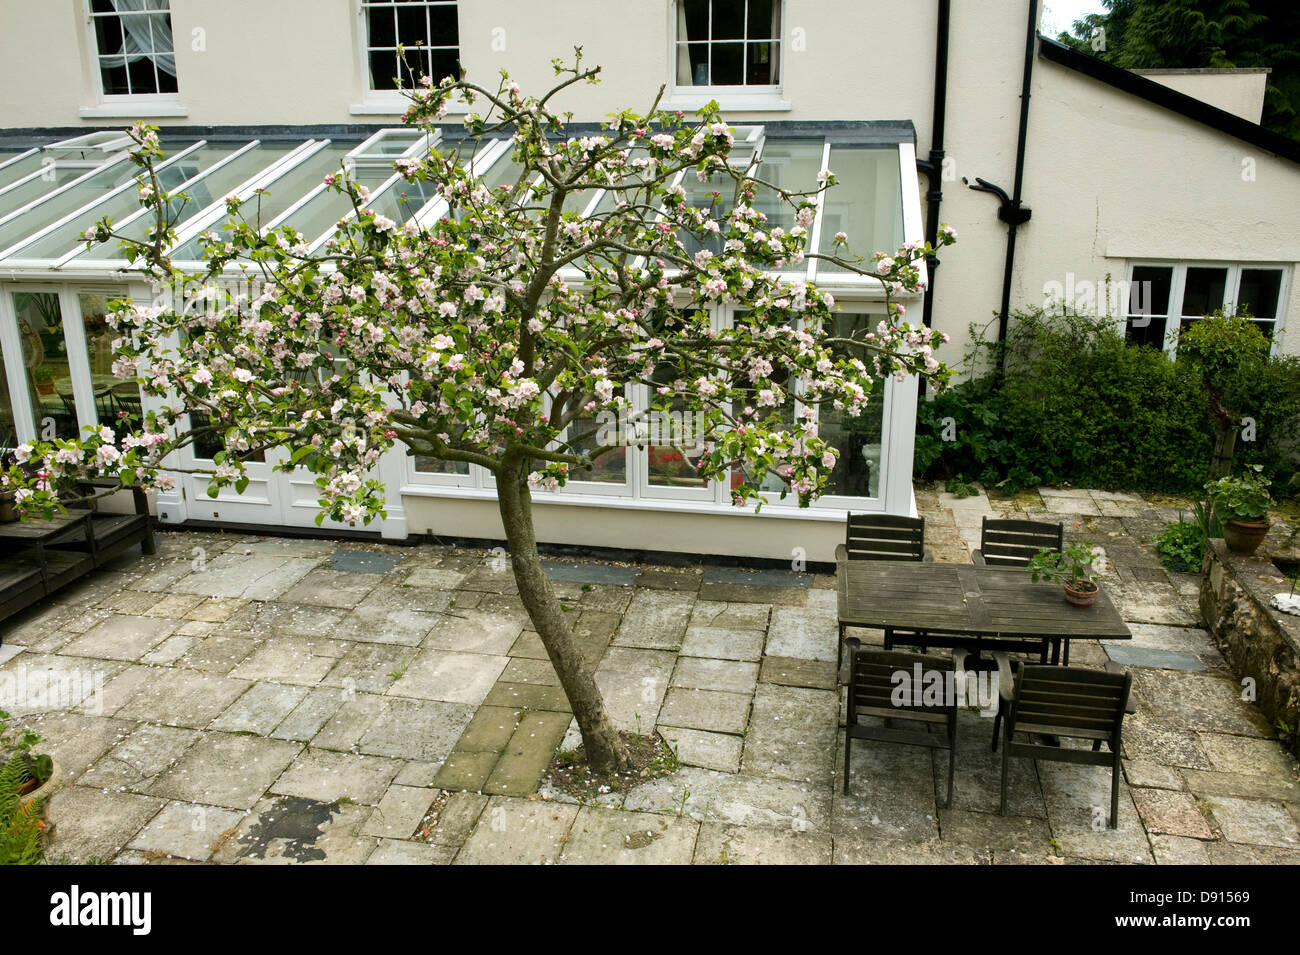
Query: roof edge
[1170, 99]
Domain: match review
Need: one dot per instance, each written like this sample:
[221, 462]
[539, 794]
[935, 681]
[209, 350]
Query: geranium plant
[462, 337]
[1243, 497]
[1078, 566]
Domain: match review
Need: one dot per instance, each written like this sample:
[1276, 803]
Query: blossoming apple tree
[495, 334]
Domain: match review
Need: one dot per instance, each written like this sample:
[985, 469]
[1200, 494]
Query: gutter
[933, 166]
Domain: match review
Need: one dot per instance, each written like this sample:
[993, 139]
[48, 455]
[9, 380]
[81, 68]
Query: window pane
[693, 64]
[1145, 330]
[1259, 291]
[859, 440]
[727, 66]
[728, 20]
[445, 63]
[384, 69]
[383, 30]
[1203, 291]
[611, 467]
[866, 205]
[697, 19]
[8, 428]
[438, 466]
[207, 444]
[117, 402]
[45, 359]
[444, 27]
[412, 28]
[669, 466]
[1149, 291]
[760, 64]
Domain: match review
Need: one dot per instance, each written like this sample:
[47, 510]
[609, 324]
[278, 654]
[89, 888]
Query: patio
[250, 699]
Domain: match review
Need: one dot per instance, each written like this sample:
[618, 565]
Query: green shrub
[1181, 546]
[1078, 405]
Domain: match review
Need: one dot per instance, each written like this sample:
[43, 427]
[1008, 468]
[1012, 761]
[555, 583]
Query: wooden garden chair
[1014, 543]
[881, 537]
[1054, 701]
[871, 691]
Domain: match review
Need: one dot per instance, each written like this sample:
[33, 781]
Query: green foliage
[1225, 348]
[1076, 564]
[960, 488]
[1224, 34]
[1078, 405]
[20, 826]
[1241, 498]
[1181, 546]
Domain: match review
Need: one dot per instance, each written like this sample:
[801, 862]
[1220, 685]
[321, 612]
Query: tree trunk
[605, 749]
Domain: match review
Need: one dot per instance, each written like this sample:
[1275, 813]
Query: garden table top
[967, 599]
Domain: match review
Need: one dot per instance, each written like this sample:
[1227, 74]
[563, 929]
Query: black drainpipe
[933, 167]
[1012, 210]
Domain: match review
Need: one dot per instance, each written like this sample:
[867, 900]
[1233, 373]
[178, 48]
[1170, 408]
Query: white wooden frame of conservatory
[70, 277]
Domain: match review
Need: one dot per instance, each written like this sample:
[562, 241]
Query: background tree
[464, 339]
[1223, 34]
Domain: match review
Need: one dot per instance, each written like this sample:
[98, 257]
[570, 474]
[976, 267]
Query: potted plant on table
[44, 376]
[26, 781]
[1077, 569]
[1242, 502]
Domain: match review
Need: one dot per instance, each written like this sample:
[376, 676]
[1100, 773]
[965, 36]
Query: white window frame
[123, 105]
[1231, 295]
[389, 102]
[766, 98]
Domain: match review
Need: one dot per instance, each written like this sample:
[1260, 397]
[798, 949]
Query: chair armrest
[977, 557]
[841, 553]
[928, 556]
[959, 655]
[1006, 676]
[1113, 667]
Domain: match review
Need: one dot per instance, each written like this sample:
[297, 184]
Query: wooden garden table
[965, 605]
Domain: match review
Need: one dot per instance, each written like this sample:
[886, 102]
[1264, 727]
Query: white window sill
[380, 105]
[690, 100]
[133, 111]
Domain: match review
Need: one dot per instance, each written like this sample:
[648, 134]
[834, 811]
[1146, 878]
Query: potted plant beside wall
[26, 780]
[1242, 503]
[1077, 569]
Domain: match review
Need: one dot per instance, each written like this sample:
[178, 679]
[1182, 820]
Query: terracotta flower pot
[45, 790]
[1244, 537]
[1076, 594]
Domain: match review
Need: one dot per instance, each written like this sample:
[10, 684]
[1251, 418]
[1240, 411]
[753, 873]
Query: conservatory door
[261, 502]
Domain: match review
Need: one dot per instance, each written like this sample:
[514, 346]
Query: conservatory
[56, 355]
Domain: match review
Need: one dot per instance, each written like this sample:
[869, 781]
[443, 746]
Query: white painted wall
[1240, 92]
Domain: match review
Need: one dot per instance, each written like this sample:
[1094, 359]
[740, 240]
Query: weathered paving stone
[655, 578]
[362, 561]
[869, 850]
[170, 650]
[721, 844]
[331, 588]
[226, 770]
[387, 598]
[1246, 786]
[489, 730]
[174, 605]
[1247, 756]
[389, 625]
[996, 833]
[183, 698]
[136, 761]
[529, 696]
[792, 733]
[1255, 822]
[92, 826]
[724, 644]
[733, 616]
[234, 575]
[604, 598]
[329, 777]
[290, 660]
[763, 578]
[311, 714]
[710, 710]
[474, 631]
[1200, 701]
[589, 573]
[278, 618]
[416, 729]
[787, 671]
[131, 602]
[708, 750]
[435, 578]
[418, 773]
[76, 740]
[216, 609]
[289, 830]
[740, 799]
[610, 837]
[655, 620]
[370, 667]
[261, 709]
[803, 633]
[891, 794]
[449, 676]
[186, 830]
[118, 691]
[397, 852]
[466, 771]
[633, 683]
[457, 818]
[527, 755]
[1156, 738]
[35, 682]
[745, 593]
[527, 670]
[122, 637]
[1160, 659]
[400, 810]
[1152, 775]
[517, 831]
[219, 653]
[1078, 810]
[730, 676]
[1177, 850]
[1171, 813]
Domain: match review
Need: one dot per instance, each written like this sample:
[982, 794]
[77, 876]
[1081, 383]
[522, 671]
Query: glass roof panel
[63, 240]
[279, 196]
[866, 203]
[15, 171]
[328, 207]
[95, 186]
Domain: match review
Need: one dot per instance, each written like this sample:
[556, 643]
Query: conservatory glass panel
[95, 186]
[15, 171]
[860, 440]
[866, 204]
[45, 360]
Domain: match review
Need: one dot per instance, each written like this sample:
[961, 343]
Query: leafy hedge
[1079, 405]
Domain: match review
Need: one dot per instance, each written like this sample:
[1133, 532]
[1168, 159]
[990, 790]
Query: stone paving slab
[93, 825]
[516, 831]
[588, 573]
[710, 710]
[1158, 659]
[185, 830]
[721, 844]
[449, 676]
[1171, 813]
[707, 750]
[228, 770]
[613, 837]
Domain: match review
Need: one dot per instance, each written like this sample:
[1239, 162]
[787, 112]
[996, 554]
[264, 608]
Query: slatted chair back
[1069, 701]
[1014, 543]
[885, 537]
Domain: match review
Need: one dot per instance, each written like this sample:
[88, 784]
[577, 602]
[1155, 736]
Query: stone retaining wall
[1259, 642]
